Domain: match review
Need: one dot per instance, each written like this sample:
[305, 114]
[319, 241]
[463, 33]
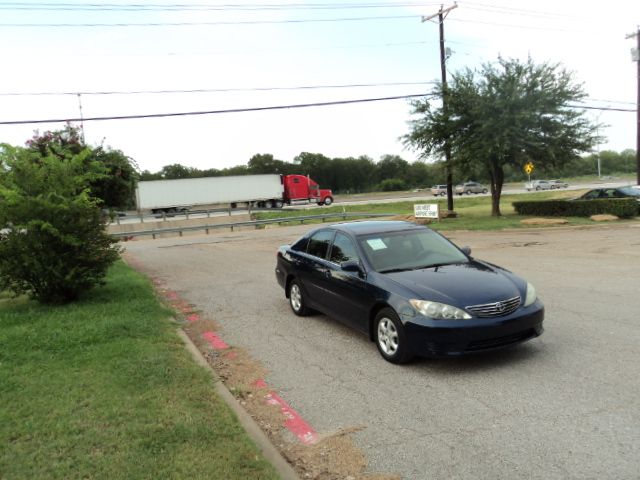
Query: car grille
[501, 341]
[496, 309]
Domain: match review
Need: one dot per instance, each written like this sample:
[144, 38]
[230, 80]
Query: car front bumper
[445, 338]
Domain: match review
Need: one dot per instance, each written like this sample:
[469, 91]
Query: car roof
[367, 227]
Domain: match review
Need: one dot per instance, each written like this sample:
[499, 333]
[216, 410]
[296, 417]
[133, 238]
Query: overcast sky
[248, 54]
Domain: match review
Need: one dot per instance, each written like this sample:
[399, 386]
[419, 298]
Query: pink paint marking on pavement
[294, 422]
[260, 383]
[193, 317]
[171, 295]
[232, 355]
[215, 341]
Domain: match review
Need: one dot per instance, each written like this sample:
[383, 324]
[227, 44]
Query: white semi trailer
[183, 194]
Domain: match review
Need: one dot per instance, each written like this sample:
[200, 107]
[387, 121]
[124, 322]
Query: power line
[215, 23]
[18, 6]
[214, 112]
[609, 109]
[213, 90]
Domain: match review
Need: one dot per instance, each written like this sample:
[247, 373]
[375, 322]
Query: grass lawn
[104, 388]
[474, 212]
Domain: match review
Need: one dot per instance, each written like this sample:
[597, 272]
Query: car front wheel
[296, 299]
[390, 337]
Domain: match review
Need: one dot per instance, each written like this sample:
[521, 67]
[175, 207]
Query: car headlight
[439, 311]
[531, 295]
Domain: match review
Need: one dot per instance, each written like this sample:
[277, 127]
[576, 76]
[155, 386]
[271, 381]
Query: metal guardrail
[255, 223]
[151, 217]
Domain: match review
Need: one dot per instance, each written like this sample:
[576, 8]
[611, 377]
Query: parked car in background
[408, 289]
[558, 184]
[537, 185]
[439, 190]
[470, 187]
[617, 192]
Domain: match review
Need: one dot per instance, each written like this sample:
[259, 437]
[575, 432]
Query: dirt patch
[544, 221]
[331, 458]
[604, 218]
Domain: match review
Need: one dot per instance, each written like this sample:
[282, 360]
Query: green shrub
[392, 185]
[621, 207]
[53, 244]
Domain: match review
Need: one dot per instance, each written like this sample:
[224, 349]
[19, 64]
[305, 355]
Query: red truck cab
[299, 189]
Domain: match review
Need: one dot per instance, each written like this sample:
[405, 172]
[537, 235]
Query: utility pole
[81, 117]
[636, 58]
[443, 68]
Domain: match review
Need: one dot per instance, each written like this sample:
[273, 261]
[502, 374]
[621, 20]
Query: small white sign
[427, 210]
[376, 244]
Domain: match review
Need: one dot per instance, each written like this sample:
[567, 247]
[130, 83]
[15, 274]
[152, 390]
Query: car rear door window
[343, 249]
[319, 243]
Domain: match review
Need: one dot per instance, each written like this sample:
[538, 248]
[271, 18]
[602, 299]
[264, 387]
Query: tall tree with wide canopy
[506, 113]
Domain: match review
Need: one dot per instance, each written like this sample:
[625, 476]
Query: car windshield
[409, 250]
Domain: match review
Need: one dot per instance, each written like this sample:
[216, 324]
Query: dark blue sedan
[408, 288]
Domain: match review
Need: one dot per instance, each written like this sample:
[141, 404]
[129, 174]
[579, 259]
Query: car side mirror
[466, 251]
[351, 266]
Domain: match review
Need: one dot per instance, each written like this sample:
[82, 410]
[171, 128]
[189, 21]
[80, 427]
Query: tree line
[392, 172]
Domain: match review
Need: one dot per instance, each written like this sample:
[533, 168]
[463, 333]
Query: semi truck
[258, 191]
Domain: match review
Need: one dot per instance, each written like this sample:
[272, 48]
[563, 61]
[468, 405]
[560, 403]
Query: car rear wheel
[442, 194]
[296, 299]
[390, 337]
[484, 190]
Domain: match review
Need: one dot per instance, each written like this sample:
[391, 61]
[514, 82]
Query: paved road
[563, 406]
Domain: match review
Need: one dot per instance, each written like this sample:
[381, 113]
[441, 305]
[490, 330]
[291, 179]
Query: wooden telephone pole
[637, 60]
[443, 68]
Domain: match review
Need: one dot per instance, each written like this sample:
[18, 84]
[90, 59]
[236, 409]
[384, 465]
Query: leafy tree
[391, 166]
[53, 244]
[265, 163]
[504, 115]
[115, 187]
[175, 170]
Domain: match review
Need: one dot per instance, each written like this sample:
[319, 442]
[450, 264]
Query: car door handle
[326, 272]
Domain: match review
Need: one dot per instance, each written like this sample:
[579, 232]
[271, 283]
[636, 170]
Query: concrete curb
[270, 452]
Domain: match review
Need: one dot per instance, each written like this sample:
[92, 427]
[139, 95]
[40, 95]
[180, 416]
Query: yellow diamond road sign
[528, 168]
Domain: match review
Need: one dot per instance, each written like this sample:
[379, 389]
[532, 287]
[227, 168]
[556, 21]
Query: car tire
[484, 190]
[390, 337]
[537, 189]
[443, 194]
[296, 299]
[468, 192]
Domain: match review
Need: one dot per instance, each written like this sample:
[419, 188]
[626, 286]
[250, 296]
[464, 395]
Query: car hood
[461, 284]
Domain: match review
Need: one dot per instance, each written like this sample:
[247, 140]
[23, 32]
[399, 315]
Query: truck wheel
[328, 201]
[268, 204]
[278, 204]
[234, 205]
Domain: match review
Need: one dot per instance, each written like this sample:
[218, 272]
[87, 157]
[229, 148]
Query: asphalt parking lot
[565, 405]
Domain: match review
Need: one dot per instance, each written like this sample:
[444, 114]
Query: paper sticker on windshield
[376, 244]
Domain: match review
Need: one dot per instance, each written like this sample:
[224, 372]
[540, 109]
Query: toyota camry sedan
[409, 289]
